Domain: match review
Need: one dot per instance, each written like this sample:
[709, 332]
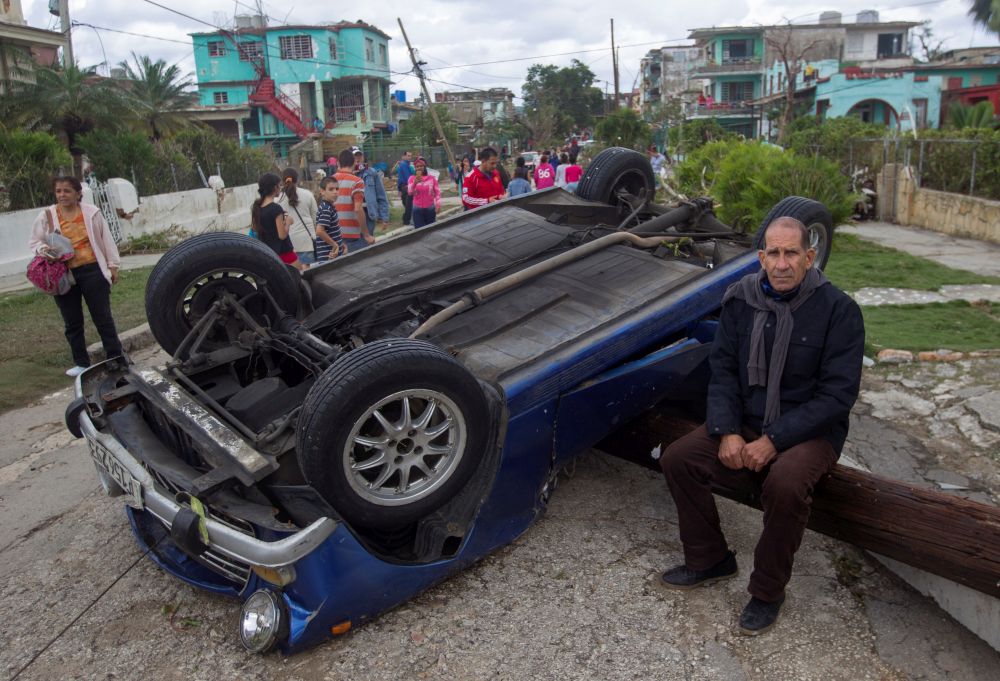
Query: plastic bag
[49, 273]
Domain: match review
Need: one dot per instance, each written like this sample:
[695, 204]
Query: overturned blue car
[324, 446]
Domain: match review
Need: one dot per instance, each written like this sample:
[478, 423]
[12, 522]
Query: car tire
[391, 432]
[189, 277]
[813, 215]
[616, 168]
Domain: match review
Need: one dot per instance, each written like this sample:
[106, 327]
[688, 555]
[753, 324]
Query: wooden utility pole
[614, 63]
[66, 28]
[427, 96]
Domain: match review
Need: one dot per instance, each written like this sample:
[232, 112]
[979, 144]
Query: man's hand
[758, 453]
[114, 274]
[731, 451]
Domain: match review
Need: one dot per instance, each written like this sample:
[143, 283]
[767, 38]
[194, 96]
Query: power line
[137, 35]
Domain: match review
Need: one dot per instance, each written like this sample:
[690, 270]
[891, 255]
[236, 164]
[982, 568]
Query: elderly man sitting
[786, 369]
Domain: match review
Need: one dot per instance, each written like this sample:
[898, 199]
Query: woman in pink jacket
[426, 194]
[94, 267]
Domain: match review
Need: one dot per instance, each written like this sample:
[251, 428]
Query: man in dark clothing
[404, 170]
[786, 370]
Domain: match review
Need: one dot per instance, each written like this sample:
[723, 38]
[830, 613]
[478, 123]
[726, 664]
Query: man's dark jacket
[820, 382]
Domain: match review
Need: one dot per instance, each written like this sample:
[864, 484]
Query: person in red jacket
[483, 185]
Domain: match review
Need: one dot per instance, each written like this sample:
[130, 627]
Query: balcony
[720, 110]
[729, 65]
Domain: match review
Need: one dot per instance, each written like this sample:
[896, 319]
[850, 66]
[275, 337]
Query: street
[569, 599]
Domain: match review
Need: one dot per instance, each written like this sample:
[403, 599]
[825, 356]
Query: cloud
[459, 32]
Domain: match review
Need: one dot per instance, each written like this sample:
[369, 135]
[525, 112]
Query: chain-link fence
[963, 166]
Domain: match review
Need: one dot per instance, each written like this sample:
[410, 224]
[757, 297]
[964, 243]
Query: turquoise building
[903, 100]
[733, 67]
[296, 80]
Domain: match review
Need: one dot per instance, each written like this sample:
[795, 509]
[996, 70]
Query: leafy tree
[28, 162]
[747, 178]
[557, 99]
[979, 115]
[986, 13]
[691, 135]
[69, 101]
[421, 129]
[623, 128]
[155, 94]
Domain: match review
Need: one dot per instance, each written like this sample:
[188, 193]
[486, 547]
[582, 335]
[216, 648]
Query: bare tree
[790, 47]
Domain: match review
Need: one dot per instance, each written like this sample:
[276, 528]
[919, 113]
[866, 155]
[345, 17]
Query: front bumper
[223, 539]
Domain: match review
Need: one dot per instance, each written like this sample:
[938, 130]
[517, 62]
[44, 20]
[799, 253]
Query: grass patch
[956, 325]
[856, 263]
[155, 242]
[33, 349]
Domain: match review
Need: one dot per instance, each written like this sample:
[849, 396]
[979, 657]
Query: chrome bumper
[222, 538]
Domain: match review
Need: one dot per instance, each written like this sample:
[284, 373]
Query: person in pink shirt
[545, 174]
[425, 192]
[573, 174]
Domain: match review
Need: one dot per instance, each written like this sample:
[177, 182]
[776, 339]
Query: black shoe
[759, 616]
[681, 577]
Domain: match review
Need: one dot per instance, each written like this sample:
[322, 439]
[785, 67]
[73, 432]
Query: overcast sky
[452, 33]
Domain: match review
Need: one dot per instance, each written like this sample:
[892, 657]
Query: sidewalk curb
[132, 340]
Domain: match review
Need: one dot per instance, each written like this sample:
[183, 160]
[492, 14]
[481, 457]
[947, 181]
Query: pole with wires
[427, 97]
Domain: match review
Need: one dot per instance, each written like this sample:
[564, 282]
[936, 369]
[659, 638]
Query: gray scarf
[748, 289]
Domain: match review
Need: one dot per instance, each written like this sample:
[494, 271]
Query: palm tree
[986, 13]
[68, 101]
[976, 116]
[156, 94]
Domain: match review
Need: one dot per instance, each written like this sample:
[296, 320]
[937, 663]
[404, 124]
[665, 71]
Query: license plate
[107, 462]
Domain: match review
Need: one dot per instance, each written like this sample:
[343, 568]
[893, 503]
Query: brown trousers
[692, 468]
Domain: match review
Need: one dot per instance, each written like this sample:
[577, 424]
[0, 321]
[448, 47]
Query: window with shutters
[296, 47]
[369, 50]
[383, 56]
[333, 49]
[251, 51]
[216, 48]
[220, 98]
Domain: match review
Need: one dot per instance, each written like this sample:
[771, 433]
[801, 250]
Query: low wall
[955, 214]
[195, 211]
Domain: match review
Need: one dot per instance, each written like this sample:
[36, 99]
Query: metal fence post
[972, 180]
[920, 165]
[173, 171]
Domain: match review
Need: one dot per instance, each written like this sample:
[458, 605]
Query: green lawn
[33, 349]
[956, 325]
[856, 263]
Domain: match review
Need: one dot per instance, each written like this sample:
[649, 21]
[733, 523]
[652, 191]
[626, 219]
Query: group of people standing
[302, 231]
[487, 180]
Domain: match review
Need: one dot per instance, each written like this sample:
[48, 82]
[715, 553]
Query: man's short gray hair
[793, 223]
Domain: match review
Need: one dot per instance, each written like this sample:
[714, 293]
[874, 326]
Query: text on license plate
[110, 465]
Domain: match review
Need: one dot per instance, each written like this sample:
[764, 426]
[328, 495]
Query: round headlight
[260, 621]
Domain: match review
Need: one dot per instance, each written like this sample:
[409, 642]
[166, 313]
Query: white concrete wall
[195, 211]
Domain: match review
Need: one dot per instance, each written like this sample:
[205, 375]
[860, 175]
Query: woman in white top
[301, 208]
[561, 169]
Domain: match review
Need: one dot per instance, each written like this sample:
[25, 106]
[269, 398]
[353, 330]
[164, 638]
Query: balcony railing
[730, 65]
[720, 109]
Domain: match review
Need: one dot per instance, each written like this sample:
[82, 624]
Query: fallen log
[949, 536]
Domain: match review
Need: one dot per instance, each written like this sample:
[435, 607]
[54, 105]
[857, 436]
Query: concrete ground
[570, 599]
[976, 256]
